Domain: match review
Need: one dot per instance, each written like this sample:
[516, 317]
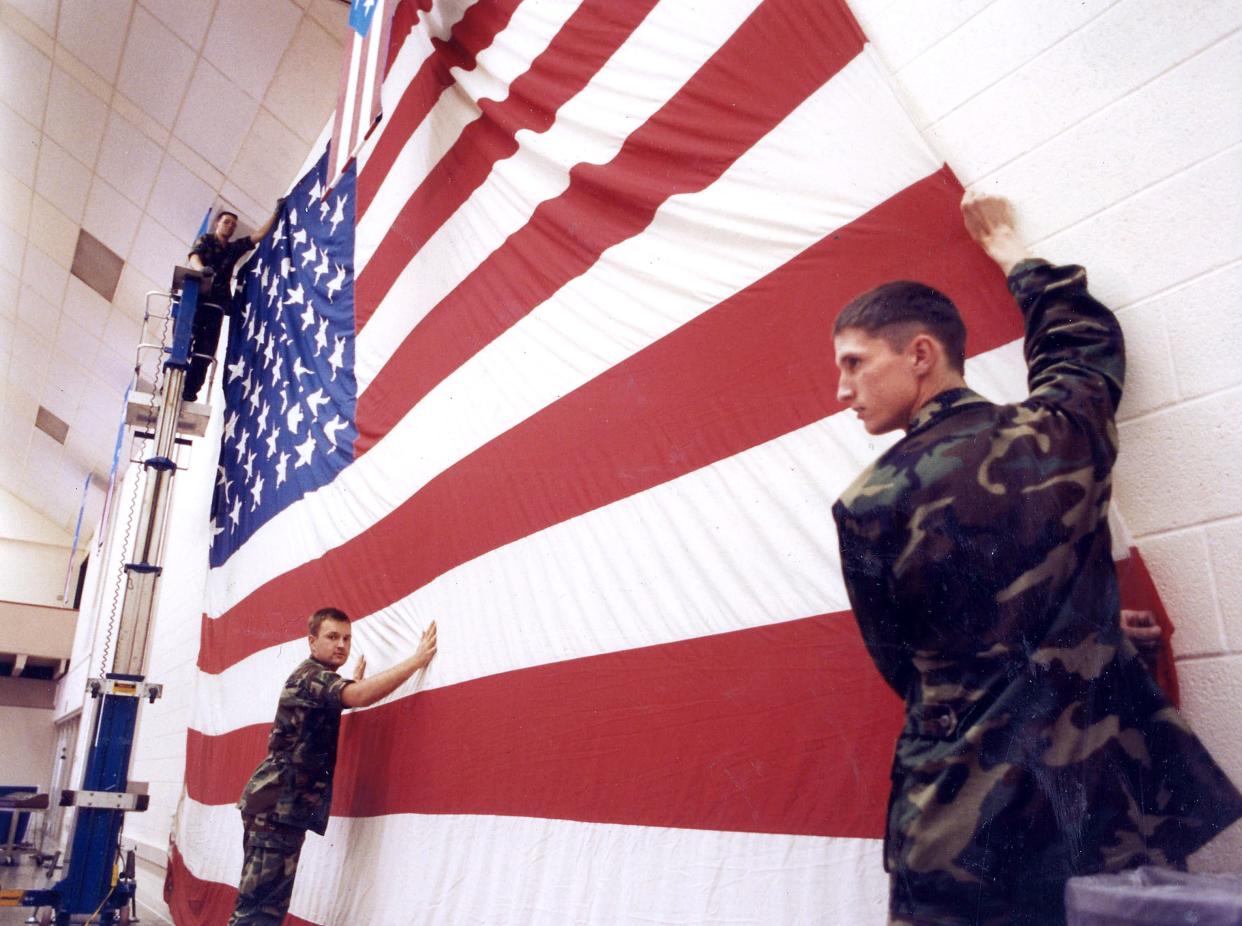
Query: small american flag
[358, 105]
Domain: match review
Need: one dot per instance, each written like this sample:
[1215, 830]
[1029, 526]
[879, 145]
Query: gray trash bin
[1151, 896]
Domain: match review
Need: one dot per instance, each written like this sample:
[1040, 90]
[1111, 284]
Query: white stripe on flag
[483, 869]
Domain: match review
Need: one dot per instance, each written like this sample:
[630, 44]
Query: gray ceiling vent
[95, 265]
[50, 425]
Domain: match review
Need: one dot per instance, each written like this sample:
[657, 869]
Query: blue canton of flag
[289, 386]
[361, 12]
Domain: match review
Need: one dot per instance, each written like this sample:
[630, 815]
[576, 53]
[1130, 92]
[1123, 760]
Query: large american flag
[590, 428]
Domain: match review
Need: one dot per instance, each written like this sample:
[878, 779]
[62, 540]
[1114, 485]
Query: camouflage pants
[271, 864]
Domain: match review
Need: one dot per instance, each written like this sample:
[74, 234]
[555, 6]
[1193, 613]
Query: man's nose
[844, 391]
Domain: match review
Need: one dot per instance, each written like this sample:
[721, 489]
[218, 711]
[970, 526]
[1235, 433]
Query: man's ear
[925, 353]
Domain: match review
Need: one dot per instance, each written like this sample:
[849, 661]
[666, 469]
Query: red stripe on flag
[582, 46]
[192, 901]
[755, 367]
[740, 731]
[474, 32]
[712, 120]
[1138, 591]
[404, 19]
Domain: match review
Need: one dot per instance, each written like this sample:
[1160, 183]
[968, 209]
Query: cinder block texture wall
[1115, 127]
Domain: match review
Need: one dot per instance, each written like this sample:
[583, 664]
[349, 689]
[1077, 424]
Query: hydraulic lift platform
[99, 885]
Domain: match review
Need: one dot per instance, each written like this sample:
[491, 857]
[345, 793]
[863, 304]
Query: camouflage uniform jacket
[976, 554]
[293, 784]
[221, 257]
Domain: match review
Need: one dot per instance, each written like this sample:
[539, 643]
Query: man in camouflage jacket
[977, 558]
[291, 790]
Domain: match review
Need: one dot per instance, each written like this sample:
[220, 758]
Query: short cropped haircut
[325, 614]
[223, 212]
[899, 310]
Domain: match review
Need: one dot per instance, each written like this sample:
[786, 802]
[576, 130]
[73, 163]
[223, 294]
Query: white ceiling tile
[9, 286]
[74, 341]
[44, 275]
[157, 251]
[40, 12]
[247, 209]
[155, 69]
[75, 117]
[303, 94]
[86, 307]
[247, 39]
[179, 200]
[15, 199]
[44, 462]
[20, 405]
[187, 18]
[330, 14]
[114, 368]
[63, 388]
[12, 248]
[94, 32]
[122, 334]
[35, 311]
[7, 333]
[269, 159]
[131, 291]
[90, 446]
[128, 159]
[215, 117]
[13, 460]
[24, 75]
[197, 164]
[19, 146]
[103, 403]
[63, 180]
[68, 63]
[111, 217]
[28, 361]
[52, 231]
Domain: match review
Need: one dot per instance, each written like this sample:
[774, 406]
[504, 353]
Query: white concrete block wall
[1115, 127]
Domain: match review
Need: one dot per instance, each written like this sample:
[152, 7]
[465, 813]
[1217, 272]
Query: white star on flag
[315, 401]
[335, 284]
[294, 418]
[304, 451]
